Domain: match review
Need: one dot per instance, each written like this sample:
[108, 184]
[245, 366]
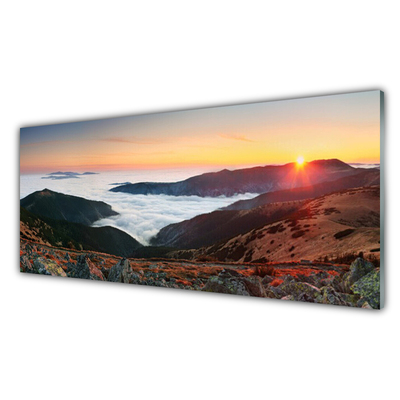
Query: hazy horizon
[200, 169]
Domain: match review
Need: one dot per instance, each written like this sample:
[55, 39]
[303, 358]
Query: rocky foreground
[357, 285]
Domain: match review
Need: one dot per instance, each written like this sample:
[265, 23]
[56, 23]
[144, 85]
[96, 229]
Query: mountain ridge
[367, 177]
[260, 179]
[335, 224]
[60, 206]
[244, 215]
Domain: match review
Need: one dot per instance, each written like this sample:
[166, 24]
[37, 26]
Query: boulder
[299, 289]
[368, 288]
[45, 266]
[352, 299]
[304, 297]
[136, 278]
[358, 269]
[277, 292]
[79, 270]
[338, 285]
[105, 271]
[95, 273]
[122, 272]
[269, 292]
[24, 264]
[308, 279]
[218, 284]
[38, 267]
[230, 281]
[328, 295]
[254, 286]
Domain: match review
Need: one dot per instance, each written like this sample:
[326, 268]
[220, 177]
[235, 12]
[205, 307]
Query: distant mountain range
[244, 215]
[249, 180]
[66, 175]
[47, 203]
[72, 173]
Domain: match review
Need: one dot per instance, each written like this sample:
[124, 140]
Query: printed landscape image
[279, 200]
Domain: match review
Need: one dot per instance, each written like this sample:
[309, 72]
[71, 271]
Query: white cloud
[141, 216]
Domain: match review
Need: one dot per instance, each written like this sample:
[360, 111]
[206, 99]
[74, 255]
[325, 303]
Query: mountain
[249, 180]
[331, 226]
[363, 177]
[59, 206]
[207, 229]
[62, 233]
[245, 215]
[72, 173]
[66, 175]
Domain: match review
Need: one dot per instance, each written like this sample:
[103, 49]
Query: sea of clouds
[141, 216]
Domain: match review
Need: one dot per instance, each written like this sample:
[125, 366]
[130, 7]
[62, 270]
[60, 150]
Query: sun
[300, 160]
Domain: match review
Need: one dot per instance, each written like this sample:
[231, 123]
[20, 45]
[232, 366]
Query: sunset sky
[339, 126]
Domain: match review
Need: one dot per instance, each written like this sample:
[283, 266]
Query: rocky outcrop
[232, 282]
[84, 269]
[227, 286]
[358, 269]
[80, 269]
[42, 266]
[24, 264]
[318, 287]
[122, 272]
[322, 283]
[328, 295]
[368, 288]
[300, 289]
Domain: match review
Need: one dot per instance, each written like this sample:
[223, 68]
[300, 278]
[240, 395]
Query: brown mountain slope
[207, 229]
[363, 177]
[330, 225]
[242, 216]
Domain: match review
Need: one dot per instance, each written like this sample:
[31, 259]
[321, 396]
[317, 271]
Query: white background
[64, 61]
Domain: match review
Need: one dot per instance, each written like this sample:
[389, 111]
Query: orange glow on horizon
[346, 127]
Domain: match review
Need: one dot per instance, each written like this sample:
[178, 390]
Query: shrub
[298, 234]
[263, 270]
[276, 282]
[344, 233]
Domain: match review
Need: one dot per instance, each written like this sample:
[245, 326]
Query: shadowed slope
[47, 203]
[76, 236]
